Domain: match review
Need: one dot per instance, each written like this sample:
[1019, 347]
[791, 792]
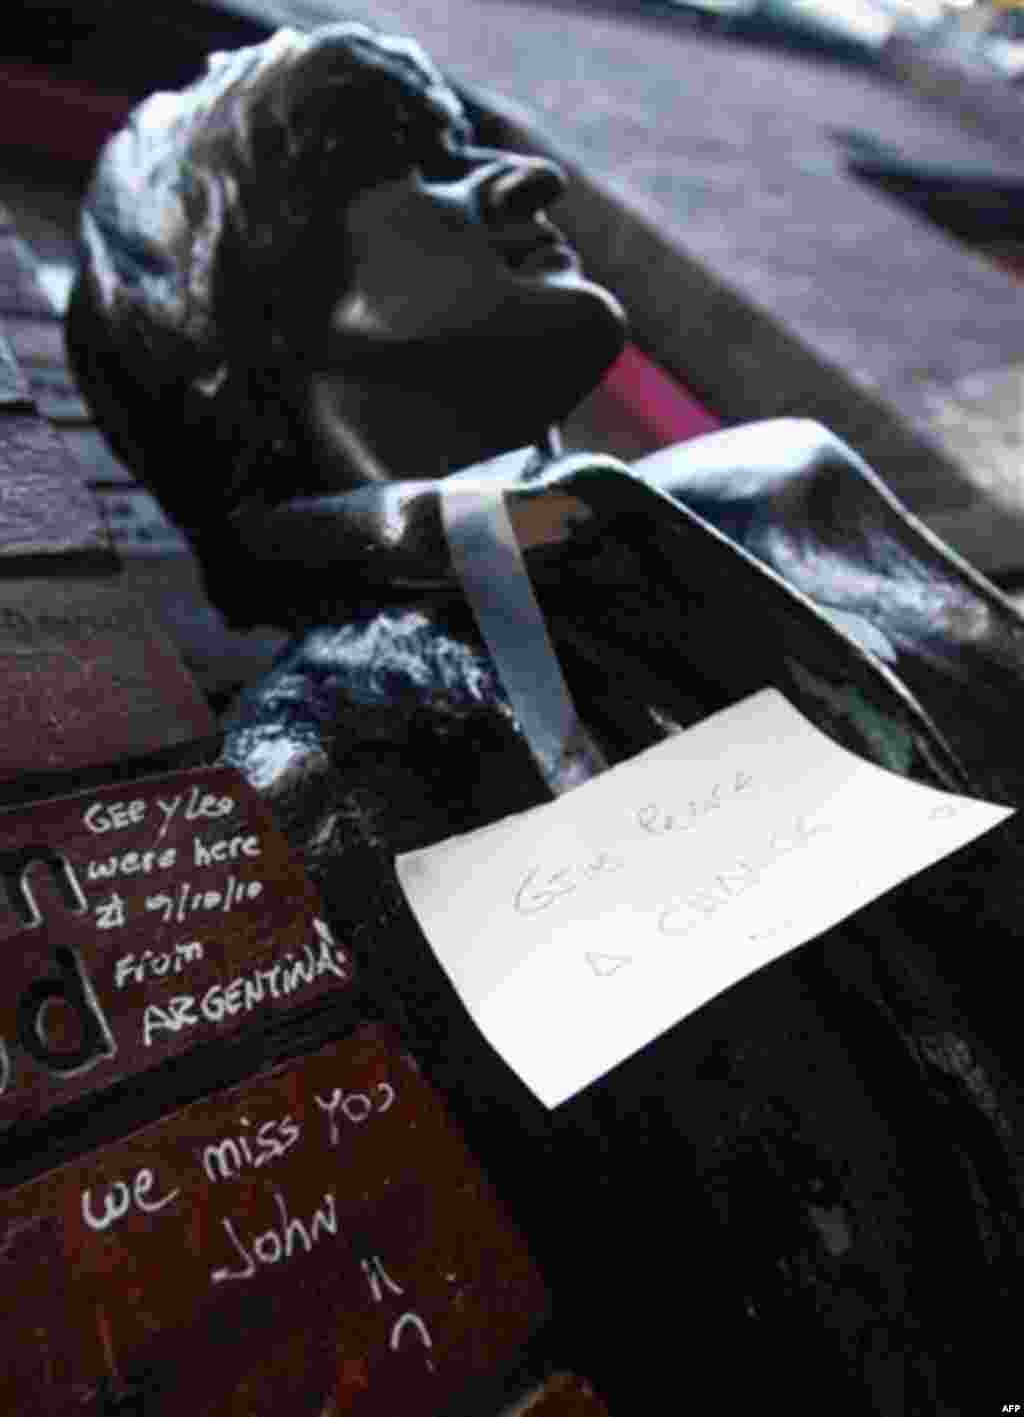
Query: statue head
[299, 273]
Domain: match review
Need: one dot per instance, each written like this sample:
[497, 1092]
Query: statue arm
[794, 466]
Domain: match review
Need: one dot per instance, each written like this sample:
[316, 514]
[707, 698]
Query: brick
[137, 524]
[35, 340]
[19, 292]
[56, 395]
[96, 463]
[88, 680]
[38, 347]
[47, 516]
[14, 390]
[316, 1239]
[130, 897]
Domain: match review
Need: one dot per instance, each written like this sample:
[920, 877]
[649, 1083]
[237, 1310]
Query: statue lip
[535, 246]
[548, 251]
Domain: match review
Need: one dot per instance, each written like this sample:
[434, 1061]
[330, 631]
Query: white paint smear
[577, 932]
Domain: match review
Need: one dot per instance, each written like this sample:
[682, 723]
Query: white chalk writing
[277, 1243]
[265, 1228]
[413, 1321]
[247, 992]
[131, 863]
[114, 816]
[110, 913]
[188, 899]
[118, 1199]
[227, 1158]
[155, 964]
[355, 1107]
[102, 817]
[218, 853]
[378, 1280]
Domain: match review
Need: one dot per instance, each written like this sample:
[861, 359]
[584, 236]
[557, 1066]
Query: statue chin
[518, 386]
[432, 406]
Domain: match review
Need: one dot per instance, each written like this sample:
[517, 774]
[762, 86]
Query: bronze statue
[408, 282]
[301, 271]
[305, 299]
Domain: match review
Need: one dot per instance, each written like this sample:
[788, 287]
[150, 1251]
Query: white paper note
[577, 932]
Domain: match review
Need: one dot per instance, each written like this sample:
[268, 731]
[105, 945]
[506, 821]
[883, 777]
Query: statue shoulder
[768, 458]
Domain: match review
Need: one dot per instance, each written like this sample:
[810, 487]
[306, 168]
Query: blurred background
[809, 207]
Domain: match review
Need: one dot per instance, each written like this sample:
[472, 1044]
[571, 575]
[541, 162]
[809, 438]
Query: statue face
[369, 296]
[458, 284]
[464, 250]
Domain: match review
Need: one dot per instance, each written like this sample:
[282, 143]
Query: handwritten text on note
[579, 931]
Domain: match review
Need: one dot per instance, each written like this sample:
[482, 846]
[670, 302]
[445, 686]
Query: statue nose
[523, 187]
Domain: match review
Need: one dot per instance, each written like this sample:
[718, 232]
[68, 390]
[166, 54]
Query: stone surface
[35, 340]
[221, 659]
[158, 566]
[91, 453]
[14, 390]
[48, 518]
[38, 347]
[162, 913]
[88, 681]
[315, 1240]
[55, 394]
[19, 293]
[138, 526]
